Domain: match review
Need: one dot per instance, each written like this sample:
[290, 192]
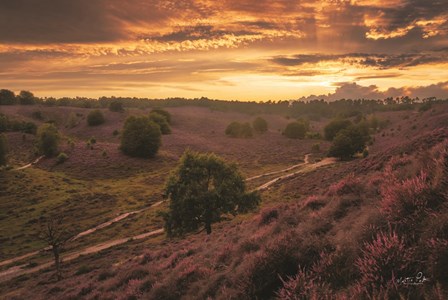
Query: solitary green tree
[260, 125]
[141, 137]
[48, 139]
[3, 149]
[201, 190]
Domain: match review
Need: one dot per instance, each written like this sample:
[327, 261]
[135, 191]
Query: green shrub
[37, 115]
[95, 118]
[116, 106]
[239, 130]
[48, 139]
[115, 133]
[141, 137]
[425, 107]
[315, 148]
[161, 121]
[162, 112]
[333, 128]
[3, 150]
[62, 157]
[295, 130]
[260, 125]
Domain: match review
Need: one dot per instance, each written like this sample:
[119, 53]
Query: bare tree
[55, 235]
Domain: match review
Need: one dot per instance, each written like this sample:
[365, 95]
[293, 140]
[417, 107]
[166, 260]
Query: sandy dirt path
[20, 270]
[30, 164]
[306, 161]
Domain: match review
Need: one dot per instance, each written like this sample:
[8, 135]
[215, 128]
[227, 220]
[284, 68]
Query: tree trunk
[208, 227]
[57, 262]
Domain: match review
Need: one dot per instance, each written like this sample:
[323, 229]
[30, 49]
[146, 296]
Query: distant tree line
[312, 109]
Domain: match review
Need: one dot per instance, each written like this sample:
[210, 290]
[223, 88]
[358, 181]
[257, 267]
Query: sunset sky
[226, 49]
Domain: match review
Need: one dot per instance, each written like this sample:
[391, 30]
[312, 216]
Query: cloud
[352, 90]
[379, 61]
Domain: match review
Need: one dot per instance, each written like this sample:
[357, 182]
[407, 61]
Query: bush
[164, 113]
[116, 106]
[383, 260]
[48, 139]
[37, 115]
[141, 137]
[295, 130]
[239, 130]
[315, 148]
[161, 121]
[334, 127]
[3, 150]
[62, 157]
[425, 107]
[260, 125]
[115, 132]
[95, 118]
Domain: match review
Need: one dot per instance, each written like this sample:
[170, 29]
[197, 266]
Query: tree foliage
[48, 139]
[161, 121]
[239, 130]
[162, 112]
[201, 190]
[260, 125]
[26, 98]
[332, 128]
[3, 149]
[116, 106]
[95, 118]
[141, 137]
[295, 130]
[349, 141]
[7, 97]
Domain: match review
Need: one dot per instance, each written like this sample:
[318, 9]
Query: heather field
[373, 226]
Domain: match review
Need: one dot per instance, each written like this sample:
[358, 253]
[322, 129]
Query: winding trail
[306, 161]
[20, 269]
[30, 164]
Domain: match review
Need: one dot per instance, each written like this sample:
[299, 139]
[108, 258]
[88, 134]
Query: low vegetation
[140, 137]
[95, 118]
[295, 130]
[162, 121]
[239, 130]
[260, 125]
[3, 150]
[48, 140]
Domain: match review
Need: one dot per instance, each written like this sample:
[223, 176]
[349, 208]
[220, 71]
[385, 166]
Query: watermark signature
[419, 279]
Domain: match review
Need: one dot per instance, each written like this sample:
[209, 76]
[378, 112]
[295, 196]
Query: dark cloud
[61, 21]
[197, 32]
[379, 61]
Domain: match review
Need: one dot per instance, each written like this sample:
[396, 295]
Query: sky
[253, 50]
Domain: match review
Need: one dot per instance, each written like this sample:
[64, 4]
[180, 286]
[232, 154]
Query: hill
[325, 229]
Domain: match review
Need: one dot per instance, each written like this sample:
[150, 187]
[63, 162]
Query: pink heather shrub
[304, 285]
[268, 215]
[314, 202]
[407, 201]
[438, 260]
[383, 260]
[348, 185]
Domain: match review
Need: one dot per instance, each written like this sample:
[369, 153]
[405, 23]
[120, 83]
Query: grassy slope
[129, 188]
